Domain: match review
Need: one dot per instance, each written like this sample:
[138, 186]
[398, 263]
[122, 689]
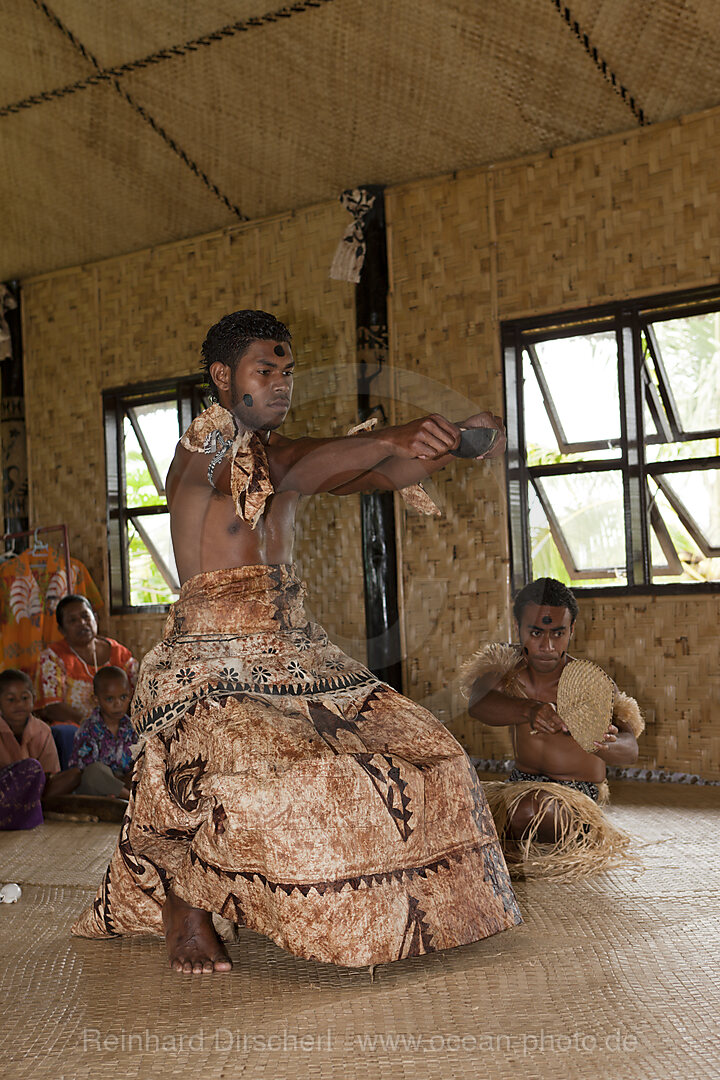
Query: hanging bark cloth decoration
[350, 253]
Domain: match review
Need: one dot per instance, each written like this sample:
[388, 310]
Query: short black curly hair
[13, 675]
[229, 339]
[107, 674]
[545, 592]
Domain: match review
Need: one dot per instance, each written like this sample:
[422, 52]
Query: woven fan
[585, 702]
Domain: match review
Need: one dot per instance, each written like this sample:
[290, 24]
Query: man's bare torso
[207, 533]
[556, 755]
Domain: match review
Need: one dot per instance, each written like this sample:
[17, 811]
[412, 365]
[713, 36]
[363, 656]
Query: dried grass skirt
[588, 843]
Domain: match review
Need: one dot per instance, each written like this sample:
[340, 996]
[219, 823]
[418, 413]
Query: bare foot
[192, 944]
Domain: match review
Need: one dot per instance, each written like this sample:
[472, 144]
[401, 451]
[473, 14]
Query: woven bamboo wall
[663, 650]
[454, 567]
[143, 317]
[622, 216]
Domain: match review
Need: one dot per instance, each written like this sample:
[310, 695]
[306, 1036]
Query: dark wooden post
[379, 548]
[12, 418]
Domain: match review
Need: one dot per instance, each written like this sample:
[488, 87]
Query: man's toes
[222, 964]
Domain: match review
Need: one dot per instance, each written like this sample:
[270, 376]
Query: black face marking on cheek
[279, 351]
[546, 619]
[525, 650]
[247, 400]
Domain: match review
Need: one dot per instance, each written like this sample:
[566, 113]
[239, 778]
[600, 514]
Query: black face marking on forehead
[279, 351]
[547, 619]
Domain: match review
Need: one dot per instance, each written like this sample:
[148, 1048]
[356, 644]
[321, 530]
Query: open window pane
[158, 424]
[666, 436]
[690, 351]
[579, 370]
[543, 445]
[588, 511]
[696, 499]
[695, 565]
[140, 487]
[151, 564]
[546, 558]
[142, 428]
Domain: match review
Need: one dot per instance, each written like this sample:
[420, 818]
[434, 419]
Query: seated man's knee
[554, 820]
[543, 812]
[523, 815]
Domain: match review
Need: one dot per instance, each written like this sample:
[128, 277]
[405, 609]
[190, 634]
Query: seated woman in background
[67, 669]
[29, 767]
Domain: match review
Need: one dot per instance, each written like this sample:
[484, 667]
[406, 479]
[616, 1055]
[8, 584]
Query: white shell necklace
[84, 662]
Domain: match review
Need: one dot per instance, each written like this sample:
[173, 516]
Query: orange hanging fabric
[31, 585]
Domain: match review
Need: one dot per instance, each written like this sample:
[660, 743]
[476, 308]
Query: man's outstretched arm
[406, 452]
[314, 465]
[395, 473]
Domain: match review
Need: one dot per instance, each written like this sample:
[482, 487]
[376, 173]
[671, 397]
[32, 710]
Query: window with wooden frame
[142, 426]
[613, 418]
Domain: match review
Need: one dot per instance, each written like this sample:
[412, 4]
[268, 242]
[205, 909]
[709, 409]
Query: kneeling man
[547, 813]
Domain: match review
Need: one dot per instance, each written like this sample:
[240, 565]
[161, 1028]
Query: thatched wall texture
[622, 216]
[629, 215]
[143, 317]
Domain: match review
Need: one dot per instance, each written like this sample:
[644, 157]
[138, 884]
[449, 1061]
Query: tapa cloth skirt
[282, 786]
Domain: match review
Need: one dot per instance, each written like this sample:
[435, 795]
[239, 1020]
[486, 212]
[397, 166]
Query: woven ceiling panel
[217, 112]
[78, 194]
[33, 56]
[322, 103]
[118, 33]
[668, 51]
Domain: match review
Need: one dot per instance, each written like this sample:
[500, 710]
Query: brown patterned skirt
[283, 787]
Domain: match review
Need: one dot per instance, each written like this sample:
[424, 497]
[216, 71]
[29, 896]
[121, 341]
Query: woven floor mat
[58, 853]
[610, 976]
